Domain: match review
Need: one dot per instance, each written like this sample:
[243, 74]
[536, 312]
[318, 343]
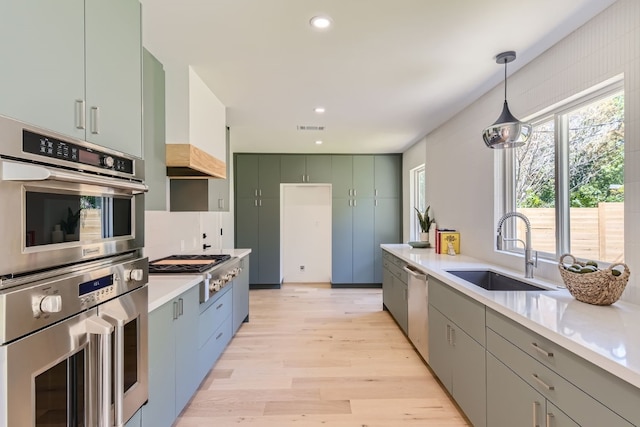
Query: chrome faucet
[529, 261]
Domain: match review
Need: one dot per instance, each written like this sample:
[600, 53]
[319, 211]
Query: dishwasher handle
[415, 272]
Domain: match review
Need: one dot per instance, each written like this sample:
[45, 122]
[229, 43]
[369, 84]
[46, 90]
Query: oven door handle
[117, 316]
[103, 329]
[12, 171]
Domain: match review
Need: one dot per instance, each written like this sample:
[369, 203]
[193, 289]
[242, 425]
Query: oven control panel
[47, 146]
[97, 290]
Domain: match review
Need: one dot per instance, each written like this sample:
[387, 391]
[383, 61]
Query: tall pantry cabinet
[68, 69]
[366, 210]
[257, 195]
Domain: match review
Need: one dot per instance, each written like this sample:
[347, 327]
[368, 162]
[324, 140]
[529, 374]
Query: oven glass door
[57, 216]
[60, 393]
[129, 361]
[51, 376]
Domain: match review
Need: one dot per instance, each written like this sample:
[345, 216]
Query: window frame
[506, 164]
[414, 190]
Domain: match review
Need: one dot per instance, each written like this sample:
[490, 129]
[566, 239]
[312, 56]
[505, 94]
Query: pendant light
[507, 131]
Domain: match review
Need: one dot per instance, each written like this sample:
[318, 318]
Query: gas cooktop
[186, 264]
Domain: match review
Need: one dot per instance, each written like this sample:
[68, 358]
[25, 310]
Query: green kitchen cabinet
[91, 85]
[456, 348]
[257, 225]
[257, 175]
[300, 168]
[512, 402]
[395, 290]
[258, 229]
[387, 229]
[173, 347]
[154, 133]
[361, 219]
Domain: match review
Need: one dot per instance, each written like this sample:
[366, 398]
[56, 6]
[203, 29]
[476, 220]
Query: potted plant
[70, 225]
[425, 223]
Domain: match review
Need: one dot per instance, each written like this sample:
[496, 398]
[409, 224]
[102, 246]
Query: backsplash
[169, 233]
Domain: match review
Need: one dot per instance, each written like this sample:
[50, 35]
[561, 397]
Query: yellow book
[447, 239]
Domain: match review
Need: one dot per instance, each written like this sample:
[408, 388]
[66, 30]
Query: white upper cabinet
[74, 67]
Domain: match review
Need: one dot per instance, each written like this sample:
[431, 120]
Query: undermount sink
[492, 281]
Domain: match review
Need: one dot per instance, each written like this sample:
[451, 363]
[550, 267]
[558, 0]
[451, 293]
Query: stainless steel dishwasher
[418, 307]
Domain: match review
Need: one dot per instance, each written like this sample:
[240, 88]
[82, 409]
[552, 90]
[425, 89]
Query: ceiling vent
[310, 127]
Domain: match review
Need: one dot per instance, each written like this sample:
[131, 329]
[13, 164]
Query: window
[569, 179]
[417, 199]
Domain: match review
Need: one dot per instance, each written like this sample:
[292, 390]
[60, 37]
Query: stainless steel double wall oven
[73, 295]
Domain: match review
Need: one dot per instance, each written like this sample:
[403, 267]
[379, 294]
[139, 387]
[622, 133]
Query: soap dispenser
[57, 235]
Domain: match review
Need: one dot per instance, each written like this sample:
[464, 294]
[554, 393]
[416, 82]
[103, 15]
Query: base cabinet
[172, 357]
[512, 402]
[459, 362]
[395, 290]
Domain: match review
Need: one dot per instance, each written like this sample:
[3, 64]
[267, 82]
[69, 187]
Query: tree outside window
[569, 179]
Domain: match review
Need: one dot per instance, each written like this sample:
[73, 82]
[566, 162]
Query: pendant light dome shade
[507, 131]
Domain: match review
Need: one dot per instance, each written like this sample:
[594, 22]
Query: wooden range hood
[186, 161]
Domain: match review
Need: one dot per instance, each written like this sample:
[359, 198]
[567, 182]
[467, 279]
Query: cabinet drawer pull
[219, 335]
[95, 117]
[220, 306]
[535, 414]
[542, 383]
[541, 350]
[549, 418]
[80, 114]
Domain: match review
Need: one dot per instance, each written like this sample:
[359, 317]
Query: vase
[424, 237]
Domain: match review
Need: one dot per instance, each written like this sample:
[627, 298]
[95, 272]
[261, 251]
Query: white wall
[460, 169]
[412, 158]
[305, 218]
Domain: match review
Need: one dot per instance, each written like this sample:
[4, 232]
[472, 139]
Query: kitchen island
[540, 336]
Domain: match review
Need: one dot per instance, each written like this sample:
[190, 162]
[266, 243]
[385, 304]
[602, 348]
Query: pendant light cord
[505, 80]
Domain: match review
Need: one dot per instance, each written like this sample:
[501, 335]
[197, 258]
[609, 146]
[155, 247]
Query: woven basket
[599, 288]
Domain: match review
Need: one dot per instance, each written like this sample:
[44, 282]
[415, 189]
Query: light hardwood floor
[316, 356]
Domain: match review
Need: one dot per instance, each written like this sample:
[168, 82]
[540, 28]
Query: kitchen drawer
[618, 395]
[211, 319]
[213, 348]
[465, 312]
[396, 271]
[578, 405]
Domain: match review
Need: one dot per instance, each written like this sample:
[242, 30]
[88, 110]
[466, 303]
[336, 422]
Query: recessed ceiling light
[320, 22]
[318, 142]
[319, 110]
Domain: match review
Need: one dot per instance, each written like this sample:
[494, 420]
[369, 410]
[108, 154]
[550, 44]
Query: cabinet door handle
[255, 202]
[255, 193]
[95, 117]
[308, 178]
[220, 203]
[175, 310]
[260, 202]
[260, 192]
[541, 350]
[355, 192]
[375, 192]
[549, 418]
[376, 202]
[542, 383]
[219, 335]
[181, 306]
[80, 114]
[355, 203]
[219, 306]
[303, 178]
[535, 414]
[350, 202]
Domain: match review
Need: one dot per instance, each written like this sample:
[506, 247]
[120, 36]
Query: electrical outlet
[302, 268]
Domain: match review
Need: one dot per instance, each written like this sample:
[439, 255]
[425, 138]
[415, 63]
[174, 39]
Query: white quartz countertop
[607, 336]
[164, 288]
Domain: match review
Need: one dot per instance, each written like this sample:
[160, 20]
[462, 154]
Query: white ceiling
[387, 72]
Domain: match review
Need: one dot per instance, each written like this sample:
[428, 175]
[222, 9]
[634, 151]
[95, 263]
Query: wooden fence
[596, 233]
